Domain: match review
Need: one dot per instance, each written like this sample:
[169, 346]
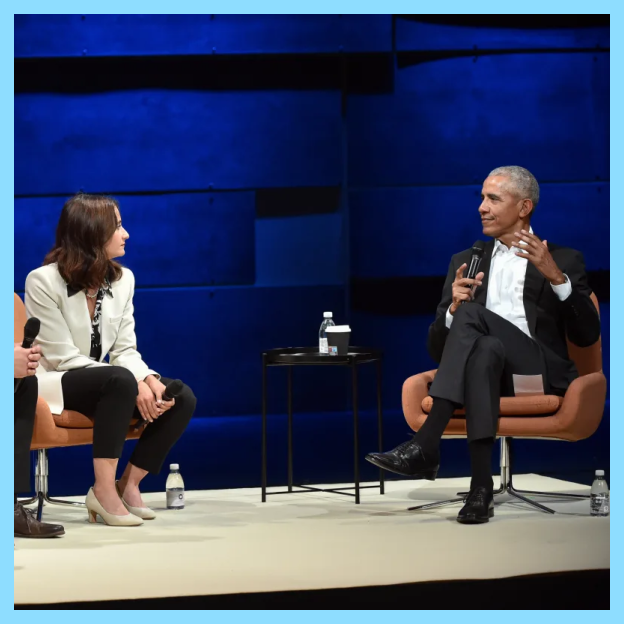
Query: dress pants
[24, 407]
[107, 394]
[481, 354]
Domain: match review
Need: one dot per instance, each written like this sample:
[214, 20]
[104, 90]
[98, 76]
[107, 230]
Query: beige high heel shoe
[142, 512]
[95, 508]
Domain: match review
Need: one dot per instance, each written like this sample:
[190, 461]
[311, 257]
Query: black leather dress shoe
[479, 507]
[409, 460]
[27, 525]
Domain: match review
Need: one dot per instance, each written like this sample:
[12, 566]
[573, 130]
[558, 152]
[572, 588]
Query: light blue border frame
[321, 6]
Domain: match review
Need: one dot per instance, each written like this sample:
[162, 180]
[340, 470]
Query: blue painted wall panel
[300, 250]
[175, 140]
[451, 120]
[213, 340]
[143, 35]
[415, 231]
[415, 35]
[190, 239]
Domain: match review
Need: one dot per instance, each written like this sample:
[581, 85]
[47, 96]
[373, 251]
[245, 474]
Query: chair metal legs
[506, 487]
[41, 487]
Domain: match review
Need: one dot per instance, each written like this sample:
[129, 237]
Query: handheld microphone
[475, 260]
[31, 329]
[173, 389]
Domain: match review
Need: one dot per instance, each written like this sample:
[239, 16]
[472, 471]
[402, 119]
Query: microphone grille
[477, 248]
[32, 327]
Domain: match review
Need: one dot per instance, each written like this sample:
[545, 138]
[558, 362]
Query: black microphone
[173, 389]
[31, 330]
[475, 260]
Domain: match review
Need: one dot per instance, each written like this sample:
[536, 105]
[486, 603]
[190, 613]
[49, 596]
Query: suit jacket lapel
[533, 284]
[486, 261]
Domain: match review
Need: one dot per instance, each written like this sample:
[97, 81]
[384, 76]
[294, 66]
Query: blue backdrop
[270, 168]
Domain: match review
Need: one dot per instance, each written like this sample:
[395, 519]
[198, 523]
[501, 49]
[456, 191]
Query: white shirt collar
[498, 246]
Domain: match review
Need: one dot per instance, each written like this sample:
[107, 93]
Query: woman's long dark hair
[87, 223]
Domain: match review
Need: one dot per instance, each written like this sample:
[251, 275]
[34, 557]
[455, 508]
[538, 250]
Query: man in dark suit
[25, 363]
[512, 319]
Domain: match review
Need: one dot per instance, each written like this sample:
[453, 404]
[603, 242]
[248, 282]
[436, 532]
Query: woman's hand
[158, 388]
[146, 403]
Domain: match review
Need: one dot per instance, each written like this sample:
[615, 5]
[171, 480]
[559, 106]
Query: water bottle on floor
[175, 488]
[599, 503]
[327, 322]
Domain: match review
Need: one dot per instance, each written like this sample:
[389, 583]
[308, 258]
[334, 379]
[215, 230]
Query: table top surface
[293, 356]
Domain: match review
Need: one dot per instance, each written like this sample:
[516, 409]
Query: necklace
[91, 296]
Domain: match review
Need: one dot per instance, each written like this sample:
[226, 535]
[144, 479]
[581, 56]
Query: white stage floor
[228, 542]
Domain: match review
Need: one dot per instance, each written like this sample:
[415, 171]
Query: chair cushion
[68, 419]
[515, 406]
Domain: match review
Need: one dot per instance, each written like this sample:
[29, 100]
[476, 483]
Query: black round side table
[310, 356]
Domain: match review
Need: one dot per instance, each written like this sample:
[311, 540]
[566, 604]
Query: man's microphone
[475, 260]
[172, 390]
[31, 330]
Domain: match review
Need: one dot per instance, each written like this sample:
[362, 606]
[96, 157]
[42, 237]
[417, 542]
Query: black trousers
[482, 353]
[24, 406]
[108, 395]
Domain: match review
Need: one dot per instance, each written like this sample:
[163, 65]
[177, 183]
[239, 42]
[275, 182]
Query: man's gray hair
[523, 181]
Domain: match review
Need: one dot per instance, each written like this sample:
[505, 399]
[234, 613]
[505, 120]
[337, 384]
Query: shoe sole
[39, 536]
[476, 519]
[429, 475]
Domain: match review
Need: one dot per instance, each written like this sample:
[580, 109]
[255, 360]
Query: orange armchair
[573, 417]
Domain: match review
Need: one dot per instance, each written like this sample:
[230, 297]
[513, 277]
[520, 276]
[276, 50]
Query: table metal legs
[380, 427]
[356, 434]
[290, 431]
[264, 427]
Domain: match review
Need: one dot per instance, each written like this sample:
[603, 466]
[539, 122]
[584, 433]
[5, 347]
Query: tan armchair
[573, 417]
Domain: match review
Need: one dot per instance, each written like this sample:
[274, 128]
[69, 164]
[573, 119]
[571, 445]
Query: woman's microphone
[172, 390]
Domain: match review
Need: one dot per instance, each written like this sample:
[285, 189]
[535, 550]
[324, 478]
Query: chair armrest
[583, 406]
[415, 389]
[45, 427]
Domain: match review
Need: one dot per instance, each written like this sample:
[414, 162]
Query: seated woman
[83, 299]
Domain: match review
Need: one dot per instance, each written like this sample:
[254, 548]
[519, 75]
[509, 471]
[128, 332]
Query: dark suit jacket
[548, 318]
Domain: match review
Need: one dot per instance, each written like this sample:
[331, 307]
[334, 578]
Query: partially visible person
[25, 363]
[84, 300]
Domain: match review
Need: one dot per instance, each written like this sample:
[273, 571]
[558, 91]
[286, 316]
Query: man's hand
[463, 288]
[25, 361]
[536, 252]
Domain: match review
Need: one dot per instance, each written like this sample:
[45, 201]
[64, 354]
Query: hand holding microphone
[464, 287]
[165, 399]
[26, 357]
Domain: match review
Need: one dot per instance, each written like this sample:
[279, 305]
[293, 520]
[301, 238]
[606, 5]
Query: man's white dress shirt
[506, 287]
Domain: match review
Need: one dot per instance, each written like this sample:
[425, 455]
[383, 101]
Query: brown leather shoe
[27, 525]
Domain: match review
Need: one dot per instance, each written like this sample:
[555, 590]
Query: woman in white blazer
[83, 299]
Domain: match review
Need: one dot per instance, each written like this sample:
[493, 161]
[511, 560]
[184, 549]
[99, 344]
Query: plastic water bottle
[175, 488]
[327, 322]
[599, 503]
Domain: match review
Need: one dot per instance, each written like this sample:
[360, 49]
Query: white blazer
[65, 334]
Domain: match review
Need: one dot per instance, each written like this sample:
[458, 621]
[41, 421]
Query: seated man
[25, 404]
[512, 319]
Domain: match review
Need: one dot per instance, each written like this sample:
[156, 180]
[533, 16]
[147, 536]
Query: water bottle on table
[175, 488]
[327, 322]
[599, 503]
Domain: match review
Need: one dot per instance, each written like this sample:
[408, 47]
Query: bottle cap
[327, 314]
[600, 473]
[174, 466]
